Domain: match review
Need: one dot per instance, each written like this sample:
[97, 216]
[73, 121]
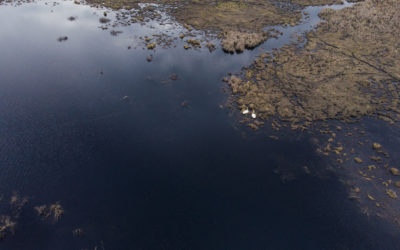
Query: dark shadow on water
[205, 193]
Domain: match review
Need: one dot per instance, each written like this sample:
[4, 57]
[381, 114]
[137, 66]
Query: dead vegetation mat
[349, 68]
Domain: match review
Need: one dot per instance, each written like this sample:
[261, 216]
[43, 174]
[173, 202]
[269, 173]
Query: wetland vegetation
[347, 69]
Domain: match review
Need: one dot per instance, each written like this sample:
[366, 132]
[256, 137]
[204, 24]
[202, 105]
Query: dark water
[143, 172]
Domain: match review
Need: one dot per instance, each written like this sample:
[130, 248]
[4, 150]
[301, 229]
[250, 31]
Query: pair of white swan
[253, 114]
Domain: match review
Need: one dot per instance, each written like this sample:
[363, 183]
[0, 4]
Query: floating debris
[6, 226]
[185, 104]
[376, 158]
[274, 137]
[104, 20]
[17, 203]
[252, 126]
[115, 32]
[62, 38]
[394, 171]
[78, 232]
[338, 150]
[376, 146]
[188, 27]
[358, 160]
[392, 194]
[194, 43]
[151, 46]
[54, 210]
[353, 194]
[210, 46]
[370, 197]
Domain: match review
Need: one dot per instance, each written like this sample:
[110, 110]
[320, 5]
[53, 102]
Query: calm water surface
[143, 172]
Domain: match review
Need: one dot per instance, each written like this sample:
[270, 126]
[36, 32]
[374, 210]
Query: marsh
[131, 132]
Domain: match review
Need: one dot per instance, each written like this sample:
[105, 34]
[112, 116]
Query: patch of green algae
[350, 67]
